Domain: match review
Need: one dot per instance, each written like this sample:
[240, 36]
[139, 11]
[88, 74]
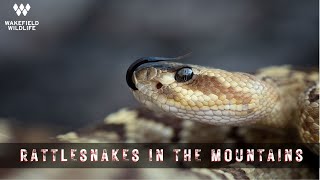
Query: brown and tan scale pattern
[141, 125]
[186, 131]
[278, 116]
[219, 97]
[309, 133]
[213, 96]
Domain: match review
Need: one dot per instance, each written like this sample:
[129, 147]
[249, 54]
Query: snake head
[199, 93]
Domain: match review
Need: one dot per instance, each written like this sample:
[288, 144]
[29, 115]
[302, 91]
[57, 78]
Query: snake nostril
[159, 85]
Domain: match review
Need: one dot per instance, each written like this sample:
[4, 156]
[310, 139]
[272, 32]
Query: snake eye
[183, 74]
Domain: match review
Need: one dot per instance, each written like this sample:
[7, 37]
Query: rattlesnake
[218, 97]
[196, 104]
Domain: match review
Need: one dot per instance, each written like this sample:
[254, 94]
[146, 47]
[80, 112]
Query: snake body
[277, 104]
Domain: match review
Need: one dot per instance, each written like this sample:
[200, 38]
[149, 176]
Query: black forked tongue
[145, 60]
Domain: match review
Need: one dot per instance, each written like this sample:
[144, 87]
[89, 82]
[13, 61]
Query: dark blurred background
[71, 70]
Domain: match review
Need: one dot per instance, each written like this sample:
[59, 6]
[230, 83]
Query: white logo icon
[21, 9]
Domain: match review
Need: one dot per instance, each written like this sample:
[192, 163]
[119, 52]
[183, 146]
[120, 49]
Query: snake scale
[196, 104]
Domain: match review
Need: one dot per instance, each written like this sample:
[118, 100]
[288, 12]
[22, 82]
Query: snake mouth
[133, 67]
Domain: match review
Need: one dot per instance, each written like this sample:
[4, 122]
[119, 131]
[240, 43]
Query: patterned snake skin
[218, 97]
[204, 105]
